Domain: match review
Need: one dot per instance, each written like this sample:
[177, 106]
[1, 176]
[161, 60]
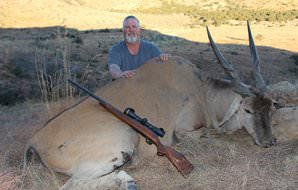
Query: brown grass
[226, 162]
[18, 124]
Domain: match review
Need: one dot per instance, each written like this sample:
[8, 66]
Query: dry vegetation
[35, 62]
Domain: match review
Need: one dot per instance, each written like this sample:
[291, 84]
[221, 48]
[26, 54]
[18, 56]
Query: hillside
[182, 18]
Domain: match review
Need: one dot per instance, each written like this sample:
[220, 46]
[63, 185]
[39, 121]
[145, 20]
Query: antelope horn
[260, 84]
[237, 85]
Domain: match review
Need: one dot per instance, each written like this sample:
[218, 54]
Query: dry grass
[54, 86]
[18, 124]
[226, 162]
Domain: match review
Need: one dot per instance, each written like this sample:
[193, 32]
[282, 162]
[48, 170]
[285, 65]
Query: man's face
[131, 31]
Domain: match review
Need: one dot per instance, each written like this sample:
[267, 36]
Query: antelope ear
[248, 111]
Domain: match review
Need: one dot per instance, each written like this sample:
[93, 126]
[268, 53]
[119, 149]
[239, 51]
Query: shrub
[78, 40]
[295, 58]
[219, 16]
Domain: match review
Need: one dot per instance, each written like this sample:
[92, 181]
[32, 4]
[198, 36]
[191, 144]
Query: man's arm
[117, 73]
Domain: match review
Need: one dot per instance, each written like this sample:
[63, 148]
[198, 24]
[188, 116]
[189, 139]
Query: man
[127, 55]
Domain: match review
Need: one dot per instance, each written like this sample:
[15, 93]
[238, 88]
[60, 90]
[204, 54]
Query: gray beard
[131, 39]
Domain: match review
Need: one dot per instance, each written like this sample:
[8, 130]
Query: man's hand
[117, 73]
[127, 74]
[164, 57]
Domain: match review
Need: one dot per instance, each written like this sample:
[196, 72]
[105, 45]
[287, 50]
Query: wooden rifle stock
[176, 158]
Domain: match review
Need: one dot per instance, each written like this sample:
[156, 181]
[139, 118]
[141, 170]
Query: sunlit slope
[94, 14]
[104, 14]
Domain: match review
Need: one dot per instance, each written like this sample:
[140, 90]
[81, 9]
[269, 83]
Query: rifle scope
[131, 113]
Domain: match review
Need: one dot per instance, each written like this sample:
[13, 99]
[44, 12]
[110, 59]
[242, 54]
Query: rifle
[176, 158]
[158, 131]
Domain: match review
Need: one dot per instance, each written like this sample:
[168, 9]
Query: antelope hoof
[270, 143]
[131, 185]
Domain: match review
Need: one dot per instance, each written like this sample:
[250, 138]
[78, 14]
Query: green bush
[295, 58]
[219, 16]
[10, 95]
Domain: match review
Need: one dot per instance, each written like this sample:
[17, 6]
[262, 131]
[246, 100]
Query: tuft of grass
[54, 86]
[18, 123]
[14, 176]
[35, 176]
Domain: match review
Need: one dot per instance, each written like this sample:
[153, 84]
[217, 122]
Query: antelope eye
[277, 105]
